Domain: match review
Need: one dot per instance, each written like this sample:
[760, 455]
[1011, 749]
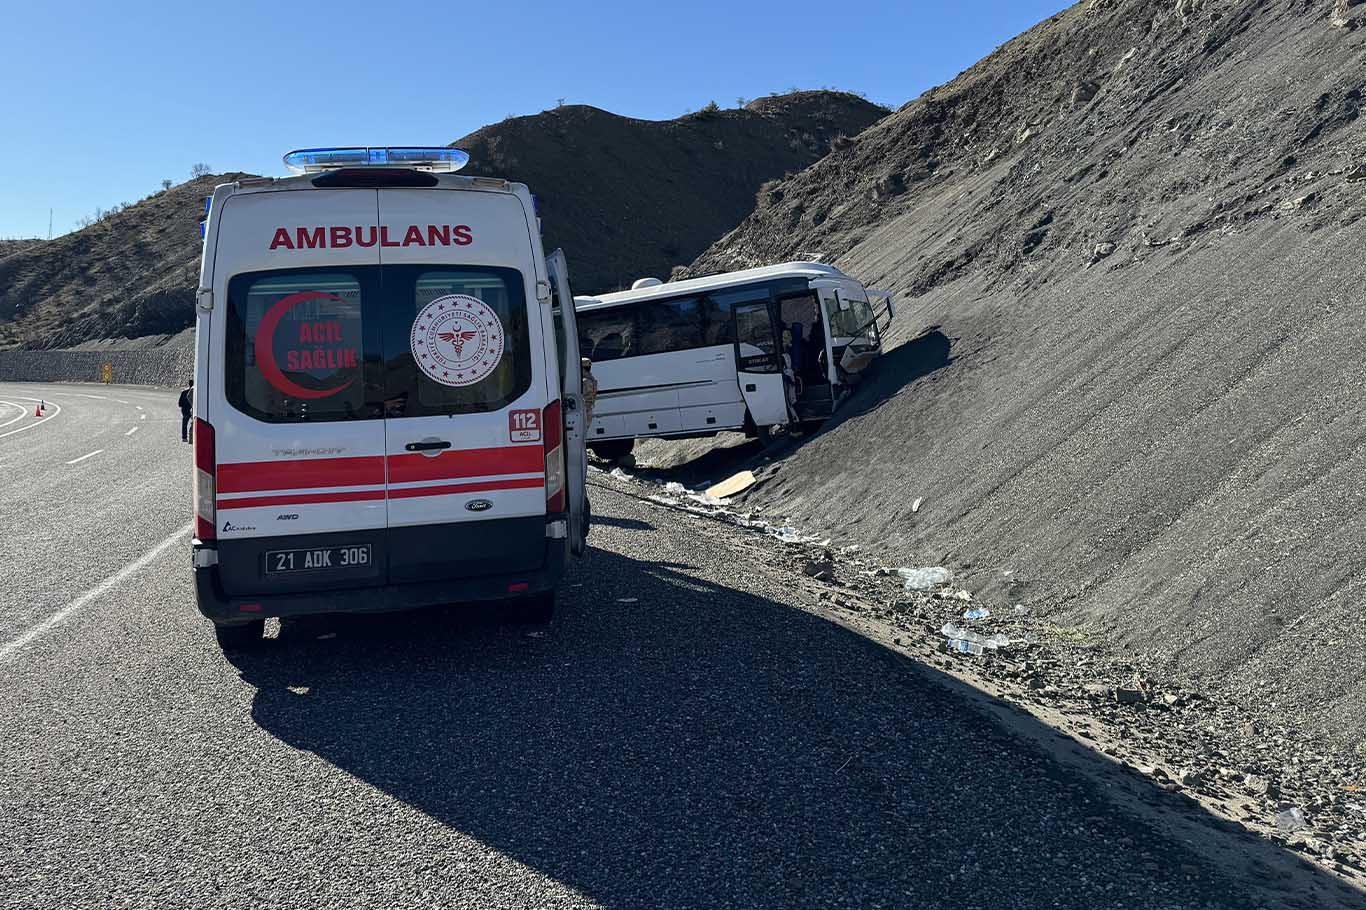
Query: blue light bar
[420, 158]
[208, 204]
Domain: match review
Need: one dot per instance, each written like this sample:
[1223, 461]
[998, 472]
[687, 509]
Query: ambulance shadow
[702, 746]
[626, 524]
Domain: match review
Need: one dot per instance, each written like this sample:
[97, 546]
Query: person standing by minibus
[186, 411]
[590, 393]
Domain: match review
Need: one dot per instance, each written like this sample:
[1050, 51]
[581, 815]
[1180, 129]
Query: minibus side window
[669, 325]
[296, 346]
[607, 334]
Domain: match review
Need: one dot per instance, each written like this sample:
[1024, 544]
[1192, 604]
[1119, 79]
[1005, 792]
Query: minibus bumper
[222, 609]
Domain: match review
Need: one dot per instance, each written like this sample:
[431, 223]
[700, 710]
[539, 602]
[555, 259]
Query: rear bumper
[218, 606]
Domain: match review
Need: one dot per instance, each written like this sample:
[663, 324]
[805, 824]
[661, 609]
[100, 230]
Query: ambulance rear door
[293, 402]
[466, 385]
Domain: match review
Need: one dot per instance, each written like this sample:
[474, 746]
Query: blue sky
[103, 101]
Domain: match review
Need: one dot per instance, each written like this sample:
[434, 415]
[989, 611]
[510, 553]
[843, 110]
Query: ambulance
[388, 409]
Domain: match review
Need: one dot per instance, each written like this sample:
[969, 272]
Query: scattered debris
[976, 613]
[1290, 820]
[969, 642]
[1102, 251]
[915, 506]
[732, 485]
[326, 635]
[820, 569]
[926, 578]
[628, 600]
[1020, 610]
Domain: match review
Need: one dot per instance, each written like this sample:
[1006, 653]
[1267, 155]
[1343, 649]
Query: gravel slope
[715, 741]
[1139, 227]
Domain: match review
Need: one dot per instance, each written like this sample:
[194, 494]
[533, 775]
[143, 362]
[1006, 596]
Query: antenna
[49, 224]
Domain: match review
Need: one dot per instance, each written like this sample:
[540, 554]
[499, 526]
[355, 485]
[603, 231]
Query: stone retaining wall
[160, 367]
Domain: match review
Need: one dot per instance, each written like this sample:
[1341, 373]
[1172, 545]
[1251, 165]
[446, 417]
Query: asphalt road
[691, 732]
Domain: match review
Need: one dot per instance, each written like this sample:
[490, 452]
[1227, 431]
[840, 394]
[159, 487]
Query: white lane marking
[56, 409]
[23, 412]
[133, 430]
[120, 401]
[138, 406]
[142, 417]
[61, 616]
[84, 457]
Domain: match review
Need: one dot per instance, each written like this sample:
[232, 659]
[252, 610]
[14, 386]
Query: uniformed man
[590, 393]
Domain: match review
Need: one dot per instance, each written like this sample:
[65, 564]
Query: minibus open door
[759, 363]
[571, 398]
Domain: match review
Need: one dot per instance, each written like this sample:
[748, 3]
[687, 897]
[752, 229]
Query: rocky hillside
[624, 197]
[1139, 225]
[130, 274]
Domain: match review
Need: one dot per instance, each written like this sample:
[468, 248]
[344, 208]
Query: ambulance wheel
[612, 449]
[538, 610]
[240, 636]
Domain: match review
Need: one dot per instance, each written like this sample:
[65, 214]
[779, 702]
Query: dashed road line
[133, 430]
[84, 457]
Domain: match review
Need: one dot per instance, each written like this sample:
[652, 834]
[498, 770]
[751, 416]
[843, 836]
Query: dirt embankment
[1139, 225]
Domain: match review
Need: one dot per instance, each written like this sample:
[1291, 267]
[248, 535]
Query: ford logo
[478, 505]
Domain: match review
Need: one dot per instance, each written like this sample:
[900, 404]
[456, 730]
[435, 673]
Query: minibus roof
[711, 283]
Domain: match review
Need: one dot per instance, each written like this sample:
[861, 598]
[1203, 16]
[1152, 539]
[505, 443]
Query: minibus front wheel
[240, 636]
[612, 449]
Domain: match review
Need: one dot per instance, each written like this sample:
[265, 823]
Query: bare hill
[624, 197]
[130, 274]
[628, 198]
[1139, 227]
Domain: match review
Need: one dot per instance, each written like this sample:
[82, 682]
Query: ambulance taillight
[554, 458]
[205, 481]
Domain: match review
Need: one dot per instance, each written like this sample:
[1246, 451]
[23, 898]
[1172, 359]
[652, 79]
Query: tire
[537, 610]
[612, 449]
[240, 636]
[769, 436]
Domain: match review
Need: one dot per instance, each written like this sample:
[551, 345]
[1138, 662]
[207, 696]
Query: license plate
[317, 559]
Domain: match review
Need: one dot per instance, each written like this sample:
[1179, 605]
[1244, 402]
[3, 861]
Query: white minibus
[755, 350]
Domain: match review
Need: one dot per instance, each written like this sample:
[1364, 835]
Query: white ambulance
[388, 406]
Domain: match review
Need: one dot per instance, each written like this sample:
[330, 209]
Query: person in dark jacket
[186, 411]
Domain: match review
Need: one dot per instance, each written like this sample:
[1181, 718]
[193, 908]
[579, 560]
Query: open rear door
[759, 363]
[571, 394]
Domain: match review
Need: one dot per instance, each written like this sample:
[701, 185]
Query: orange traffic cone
[38, 410]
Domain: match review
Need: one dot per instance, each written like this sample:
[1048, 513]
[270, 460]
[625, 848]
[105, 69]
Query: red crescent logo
[265, 344]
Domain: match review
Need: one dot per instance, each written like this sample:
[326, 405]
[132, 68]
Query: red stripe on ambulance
[445, 489]
[450, 465]
[369, 470]
[252, 476]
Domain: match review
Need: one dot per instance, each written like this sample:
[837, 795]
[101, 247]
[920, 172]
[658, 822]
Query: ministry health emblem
[457, 340]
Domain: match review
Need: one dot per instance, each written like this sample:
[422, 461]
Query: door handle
[427, 445]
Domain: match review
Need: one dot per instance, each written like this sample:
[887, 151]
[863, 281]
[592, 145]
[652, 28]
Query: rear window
[338, 344]
[296, 346]
[484, 353]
